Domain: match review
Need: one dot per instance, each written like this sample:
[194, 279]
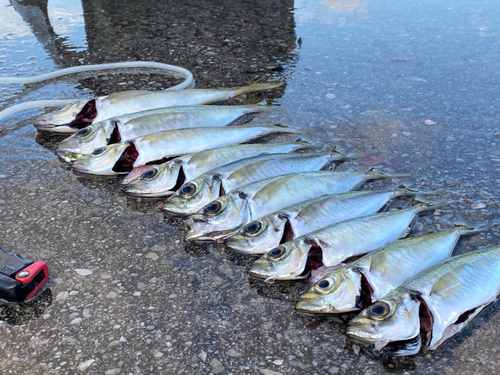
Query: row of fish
[284, 201]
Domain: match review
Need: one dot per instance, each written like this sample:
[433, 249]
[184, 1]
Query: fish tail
[285, 129]
[256, 86]
[465, 229]
[409, 189]
[338, 153]
[375, 174]
[421, 204]
[264, 106]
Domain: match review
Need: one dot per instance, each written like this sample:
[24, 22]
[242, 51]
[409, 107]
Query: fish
[336, 244]
[123, 128]
[194, 195]
[165, 179]
[222, 217]
[121, 158]
[424, 312]
[262, 235]
[72, 117]
[362, 282]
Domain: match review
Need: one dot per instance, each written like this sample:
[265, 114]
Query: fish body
[431, 307]
[123, 128]
[193, 196]
[362, 282]
[261, 235]
[121, 158]
[336, 243]
[164, 179]
[72, 117]
[223, 216]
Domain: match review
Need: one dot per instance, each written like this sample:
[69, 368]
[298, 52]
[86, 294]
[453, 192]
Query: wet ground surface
[411, 85]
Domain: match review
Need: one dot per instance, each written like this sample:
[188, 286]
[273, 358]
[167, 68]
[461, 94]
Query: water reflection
[330, 11]
[255, 38]
[66, 18]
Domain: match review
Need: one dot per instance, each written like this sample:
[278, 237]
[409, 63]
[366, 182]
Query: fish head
[58, 121]
[155, 181]
[285, 262]
[259, 236]
[85, 140]
[194, 195]
[392, 320]
[219, 219]
[335, 293]
[102, 160]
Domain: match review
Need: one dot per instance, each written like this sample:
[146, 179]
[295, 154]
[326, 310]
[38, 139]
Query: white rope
[189, 81]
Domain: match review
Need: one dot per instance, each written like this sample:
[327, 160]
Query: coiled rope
[188, 81]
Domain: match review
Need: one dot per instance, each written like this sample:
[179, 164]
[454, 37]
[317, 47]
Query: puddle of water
[362, 74]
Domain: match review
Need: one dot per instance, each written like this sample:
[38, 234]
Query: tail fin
[466, 229]
[338, 153]
[254, 87]
[409, 189]
[285, 129]
[374, 174]
[264, 107]
[424, 205]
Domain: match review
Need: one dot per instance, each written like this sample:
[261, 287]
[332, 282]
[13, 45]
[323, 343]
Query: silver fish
[123, 128]
[193, 196]
[261, 235]
[433, 306]
[335, 244]
[72, 117]
[223, 216]
[164, 179]
[120, 158]
[362, 282]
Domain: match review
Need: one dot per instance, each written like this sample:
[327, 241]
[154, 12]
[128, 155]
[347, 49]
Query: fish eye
[150, 173]
[187, 189]
[277, 252]
[325, 284]
[252, 228]
[82, 132]
[379, 310]
[212, 208]
[98, 151]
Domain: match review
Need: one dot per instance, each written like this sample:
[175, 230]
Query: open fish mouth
[68, 119]
[67, 156]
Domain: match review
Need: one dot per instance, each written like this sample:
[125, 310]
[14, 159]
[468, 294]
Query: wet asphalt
[411, 86]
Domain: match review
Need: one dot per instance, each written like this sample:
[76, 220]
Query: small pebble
[85, 365]
[153, 256]
[477, 206]
[61, 296]
[83, 271]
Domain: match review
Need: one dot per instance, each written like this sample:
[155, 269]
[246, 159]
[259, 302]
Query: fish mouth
[146, 194]
[174, 209]
[48, 127]
[67, 156]
[259, 273]
[237, 246]
[192, 235]
[311, 306]
[356, 332]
